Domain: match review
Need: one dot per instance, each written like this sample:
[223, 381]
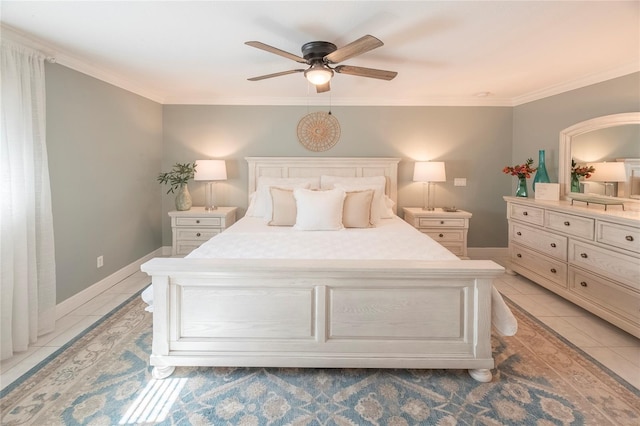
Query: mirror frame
[566, 138]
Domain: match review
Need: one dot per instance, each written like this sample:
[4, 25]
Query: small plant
[521, 170]
[581, 171]
[178, 176]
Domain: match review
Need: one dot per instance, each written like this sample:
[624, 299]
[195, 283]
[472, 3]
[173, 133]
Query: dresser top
[613, 212]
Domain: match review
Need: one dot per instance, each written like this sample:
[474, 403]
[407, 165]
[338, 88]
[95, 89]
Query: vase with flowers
[578, 172]
[523, 172]
[177, 180]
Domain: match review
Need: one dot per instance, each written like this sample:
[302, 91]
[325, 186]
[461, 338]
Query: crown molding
[58, 55]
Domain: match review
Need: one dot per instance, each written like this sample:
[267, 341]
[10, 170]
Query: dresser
[191, 228]
[583, 253]
[447, 228]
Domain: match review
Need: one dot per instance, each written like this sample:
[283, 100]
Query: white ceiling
[445, 52]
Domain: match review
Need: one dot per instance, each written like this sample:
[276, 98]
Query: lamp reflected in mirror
[609, 174]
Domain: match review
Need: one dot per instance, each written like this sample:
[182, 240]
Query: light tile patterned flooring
[614, 348]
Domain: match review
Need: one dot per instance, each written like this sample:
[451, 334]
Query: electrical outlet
[460, 182]
[100, 261]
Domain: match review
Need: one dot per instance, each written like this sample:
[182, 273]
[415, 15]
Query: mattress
[390, 239]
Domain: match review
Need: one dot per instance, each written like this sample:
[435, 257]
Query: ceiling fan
[320, 55]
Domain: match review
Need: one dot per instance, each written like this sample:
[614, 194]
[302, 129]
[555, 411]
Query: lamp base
[208, 196]
[429, 194]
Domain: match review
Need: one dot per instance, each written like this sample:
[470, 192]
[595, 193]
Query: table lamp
[210, 171]
[429, 172]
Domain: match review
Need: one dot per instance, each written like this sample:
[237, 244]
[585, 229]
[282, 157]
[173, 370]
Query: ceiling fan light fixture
[318, 74]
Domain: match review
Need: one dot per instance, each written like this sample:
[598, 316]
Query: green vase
[521, 189]
[575, 183]
[183, 198]
[541, 173]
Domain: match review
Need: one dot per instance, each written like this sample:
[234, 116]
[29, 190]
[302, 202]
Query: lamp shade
[211, 170]
[609, 172]
[318, 74]
[429, 171]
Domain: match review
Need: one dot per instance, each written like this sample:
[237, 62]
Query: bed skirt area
[322, 313]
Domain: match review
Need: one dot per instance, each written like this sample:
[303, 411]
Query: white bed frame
[322, 313]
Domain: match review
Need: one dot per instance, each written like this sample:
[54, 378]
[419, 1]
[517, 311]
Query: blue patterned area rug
[104, 378]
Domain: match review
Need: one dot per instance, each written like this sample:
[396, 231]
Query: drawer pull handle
[518, 233]
[553, 245]
[628, 238]
[525, 213]
[440, 235]
[553, 270]
[442, 222]
[583, 255]
[518, 255]
[197, 220]
[567, 223]
[198, 234]
[583, 283]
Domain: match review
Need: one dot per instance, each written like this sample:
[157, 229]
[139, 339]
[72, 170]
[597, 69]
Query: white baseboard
[77, 300]
[487, 253]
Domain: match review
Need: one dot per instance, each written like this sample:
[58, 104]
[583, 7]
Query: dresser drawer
[605, 293]
[441, 223]
[447, 236]
[527, 214]
[604, 262]
[621, 236]
[578, 226]
[547, 242]
[193, 234]
[551, 269]
[199, 221]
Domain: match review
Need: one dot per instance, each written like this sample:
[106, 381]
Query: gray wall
[474, 142]
[105, 149]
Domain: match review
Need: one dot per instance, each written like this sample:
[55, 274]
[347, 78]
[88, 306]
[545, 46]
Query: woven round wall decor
[318, 131]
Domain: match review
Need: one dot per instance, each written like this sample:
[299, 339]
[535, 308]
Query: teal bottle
[541, 173]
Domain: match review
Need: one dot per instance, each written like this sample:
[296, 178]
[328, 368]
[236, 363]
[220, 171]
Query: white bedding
[251, 238]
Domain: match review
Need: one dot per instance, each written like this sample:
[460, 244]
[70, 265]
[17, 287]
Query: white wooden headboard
[317, 166]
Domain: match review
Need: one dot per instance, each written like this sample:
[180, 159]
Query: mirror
[591, 140]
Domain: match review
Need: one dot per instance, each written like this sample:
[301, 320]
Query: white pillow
[378, 205]
[356, 212]
[260, 205]
[389, 203]
[319, 210]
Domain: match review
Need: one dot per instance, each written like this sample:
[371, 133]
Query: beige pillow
[356, 212]
[283, 207]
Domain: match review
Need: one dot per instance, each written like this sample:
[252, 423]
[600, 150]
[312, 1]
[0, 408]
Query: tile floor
[614, 348]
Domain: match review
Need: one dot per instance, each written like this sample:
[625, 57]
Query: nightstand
[191, 228]
[447, 228]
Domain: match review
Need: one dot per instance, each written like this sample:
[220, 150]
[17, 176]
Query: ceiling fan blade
[321, 88]
[365, 72]
[355, 48]
[277, 74]
[271, 49]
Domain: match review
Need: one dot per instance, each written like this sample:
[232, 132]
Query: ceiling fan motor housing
[314, 51]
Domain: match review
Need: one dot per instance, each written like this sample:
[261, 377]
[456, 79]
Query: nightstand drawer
[186, 247]
[578, 226]
[546, 242]
[198, 221]
[526, 214]
[457, 249]
[622, 236]
[441, 223]
[191, 234]
[447, 236]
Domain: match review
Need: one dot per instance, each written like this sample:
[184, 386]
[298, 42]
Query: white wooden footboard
[322, 313]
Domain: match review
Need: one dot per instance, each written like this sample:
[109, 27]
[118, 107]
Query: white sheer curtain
[27, 258]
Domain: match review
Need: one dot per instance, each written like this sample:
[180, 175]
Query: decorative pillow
[378, 206]
[356, 212]
[389, 203]
[260, 205]
[283, 207]
[319, 210]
